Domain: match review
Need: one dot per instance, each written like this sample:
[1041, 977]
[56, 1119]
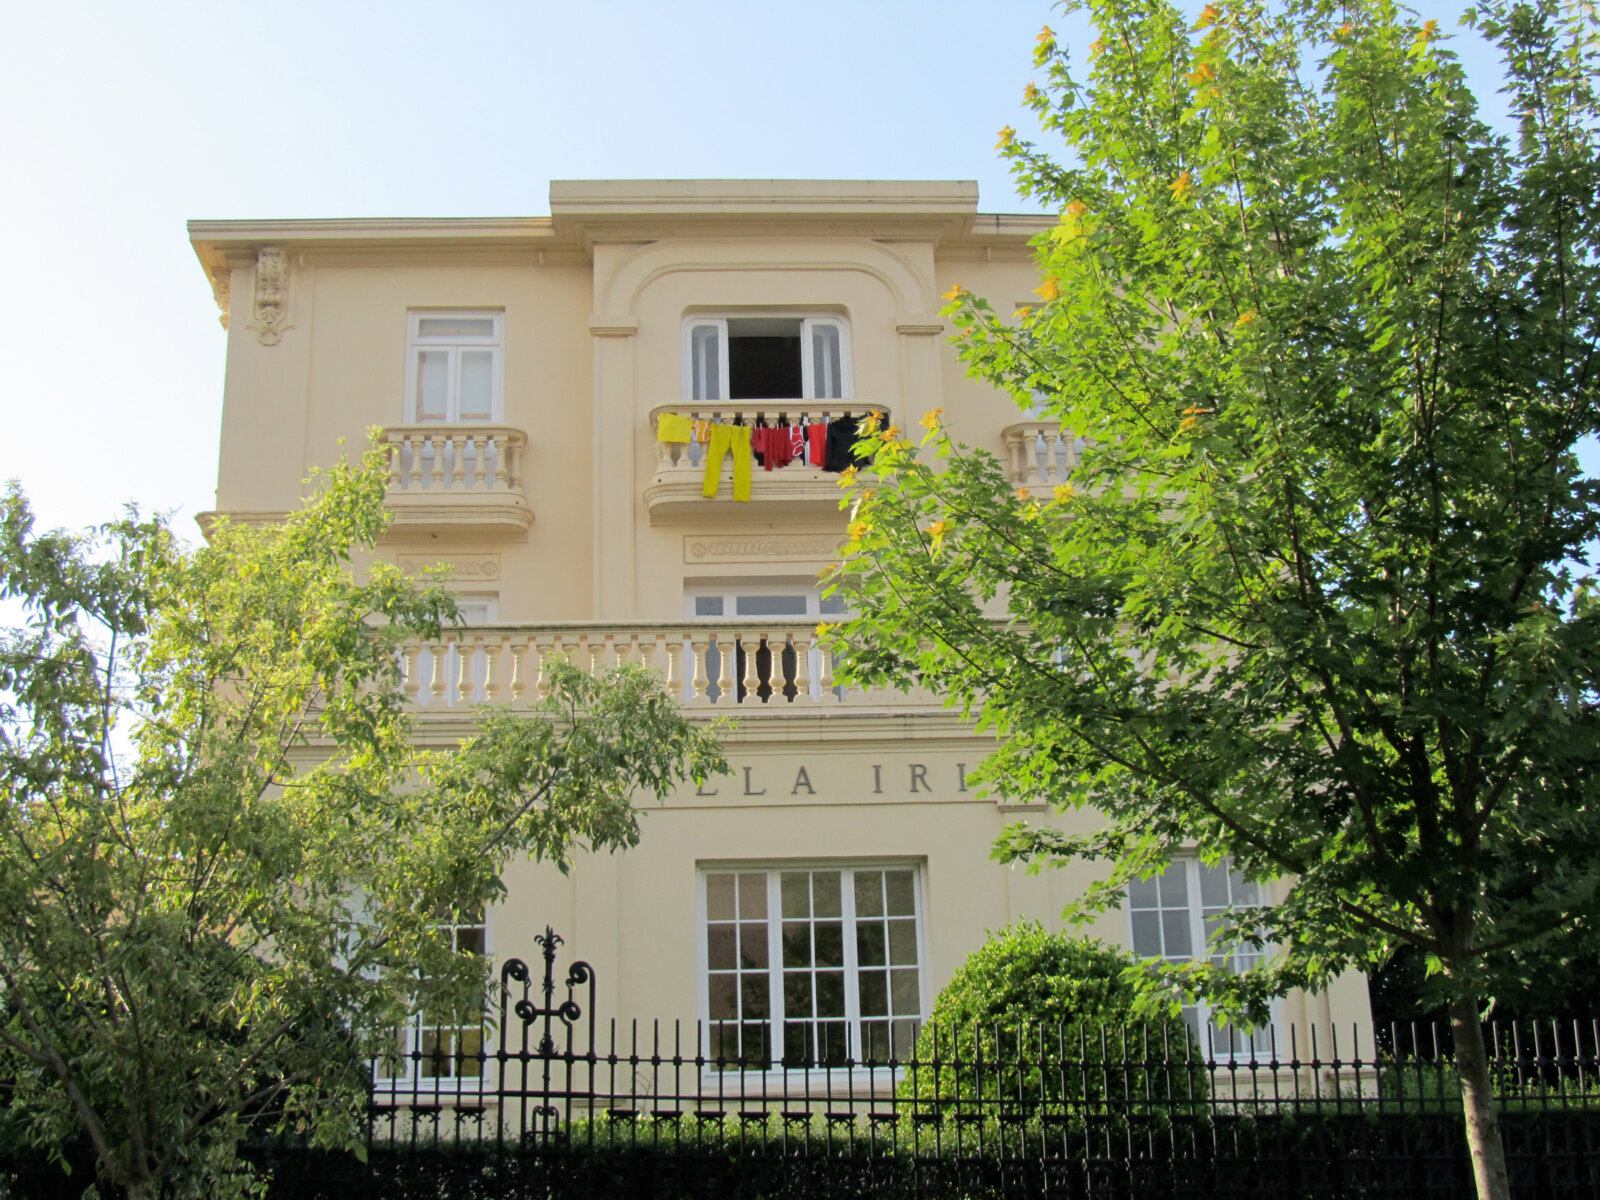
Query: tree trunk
[1477, 1102]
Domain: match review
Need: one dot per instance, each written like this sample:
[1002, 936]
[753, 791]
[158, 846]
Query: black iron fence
[540, 1100]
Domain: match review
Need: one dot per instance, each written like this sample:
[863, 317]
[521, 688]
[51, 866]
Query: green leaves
[1307, 598]
[222, 858]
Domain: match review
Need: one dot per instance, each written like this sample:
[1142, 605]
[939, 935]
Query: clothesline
[825, 443]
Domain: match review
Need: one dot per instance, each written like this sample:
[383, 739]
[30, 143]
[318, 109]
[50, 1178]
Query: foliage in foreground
[223, 860]
[1314, 596]
[1046, 1022]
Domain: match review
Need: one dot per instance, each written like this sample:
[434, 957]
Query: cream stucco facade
[520, 368]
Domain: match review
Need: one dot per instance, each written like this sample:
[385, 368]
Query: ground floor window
[812, 966]
[442, 1046]
[1174, 917]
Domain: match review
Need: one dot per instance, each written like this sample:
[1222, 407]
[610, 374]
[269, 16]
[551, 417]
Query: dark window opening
[764, 359]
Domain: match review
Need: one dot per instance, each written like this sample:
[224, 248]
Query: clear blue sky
[124, 120]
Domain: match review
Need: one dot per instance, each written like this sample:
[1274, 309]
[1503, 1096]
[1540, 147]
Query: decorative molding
[270, 305]
[477, 568]
[602, 325]
[920, 323]
[772, 547]
[222, 290]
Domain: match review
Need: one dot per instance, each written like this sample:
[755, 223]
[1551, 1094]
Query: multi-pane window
[812, 966]
[1175, 915]
[766, 358]
[454, 369]
[441, 1046]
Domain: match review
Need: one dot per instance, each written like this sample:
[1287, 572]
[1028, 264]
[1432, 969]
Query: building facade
[551, 390]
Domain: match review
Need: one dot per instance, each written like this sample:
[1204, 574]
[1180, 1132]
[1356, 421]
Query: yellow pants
[723, 439]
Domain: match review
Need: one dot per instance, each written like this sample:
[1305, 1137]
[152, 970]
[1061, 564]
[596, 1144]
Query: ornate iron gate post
[550, 1063]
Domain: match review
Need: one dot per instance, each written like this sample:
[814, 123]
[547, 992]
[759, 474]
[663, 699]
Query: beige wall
[594, 300]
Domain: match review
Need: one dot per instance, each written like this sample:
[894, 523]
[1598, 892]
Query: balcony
[462, 480]
[751, 667]
[675, 489]
[1040, 453]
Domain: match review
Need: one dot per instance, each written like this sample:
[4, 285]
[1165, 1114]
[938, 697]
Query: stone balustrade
[1040, 453]
[708, 664]
[456, 478]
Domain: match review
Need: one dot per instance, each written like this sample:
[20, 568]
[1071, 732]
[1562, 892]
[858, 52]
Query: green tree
[1037, 1022]
[1313, 595]
[222, 858]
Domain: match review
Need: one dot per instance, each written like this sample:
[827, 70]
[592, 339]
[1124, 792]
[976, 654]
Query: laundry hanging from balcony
[827, 444]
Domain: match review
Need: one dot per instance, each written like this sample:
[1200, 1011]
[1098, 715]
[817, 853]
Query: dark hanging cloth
[843, 434]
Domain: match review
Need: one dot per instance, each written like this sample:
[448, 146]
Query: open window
[766, 358]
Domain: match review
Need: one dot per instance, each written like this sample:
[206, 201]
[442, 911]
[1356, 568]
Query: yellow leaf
[824, 628]
[1048, 290]
[1063, 491]
[1030, 93]
[1007, 136]
[890, 433]
[848, 476]
[1077, 208]
[1181, 187]
[858, 530]
[1188, 424]
[870, 421]
[1208, 16]
[1024, 494]
[1343, 31]
[955, 293]
[1430, 30]
[1096, 48]
[1024, 311]
[1201, 74]
[936, 532]
[931, 418]
[1046, 35]
[1249, 317]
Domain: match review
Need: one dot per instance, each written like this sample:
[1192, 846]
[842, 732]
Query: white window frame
[774, 869]
[809, 324]
[1260, 1039]
[409, 1075]
[731, 592]
[416, 342]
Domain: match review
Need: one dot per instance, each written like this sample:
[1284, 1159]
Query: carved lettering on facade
[270, 304]
[760, 548]
[481, 568]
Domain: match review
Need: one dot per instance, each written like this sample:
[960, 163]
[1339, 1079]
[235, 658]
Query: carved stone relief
[776, 547]
[270, 306]
[476, 567]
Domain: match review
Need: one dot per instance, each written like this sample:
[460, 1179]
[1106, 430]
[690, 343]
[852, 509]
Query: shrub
[1037, 1023]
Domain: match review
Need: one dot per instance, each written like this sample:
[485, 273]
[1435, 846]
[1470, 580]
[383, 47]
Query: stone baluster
[675, 667]
[413, 685]
[826, 682]
[414, 445]
[458, 462]
[801, 641]
[519, 681]
[751, 644]
[437, 686]
[480, 444]
[700, 646]
[1030, 474]
[727, 644]
[438, 443]
[547, 650]
[464, 653]
[394, 465]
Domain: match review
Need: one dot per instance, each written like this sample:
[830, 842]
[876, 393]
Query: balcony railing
[674, 492]
[707, 664]
[457, 479]
[1040, 453]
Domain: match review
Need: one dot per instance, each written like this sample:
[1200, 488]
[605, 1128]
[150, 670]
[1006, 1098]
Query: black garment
[843, 434]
